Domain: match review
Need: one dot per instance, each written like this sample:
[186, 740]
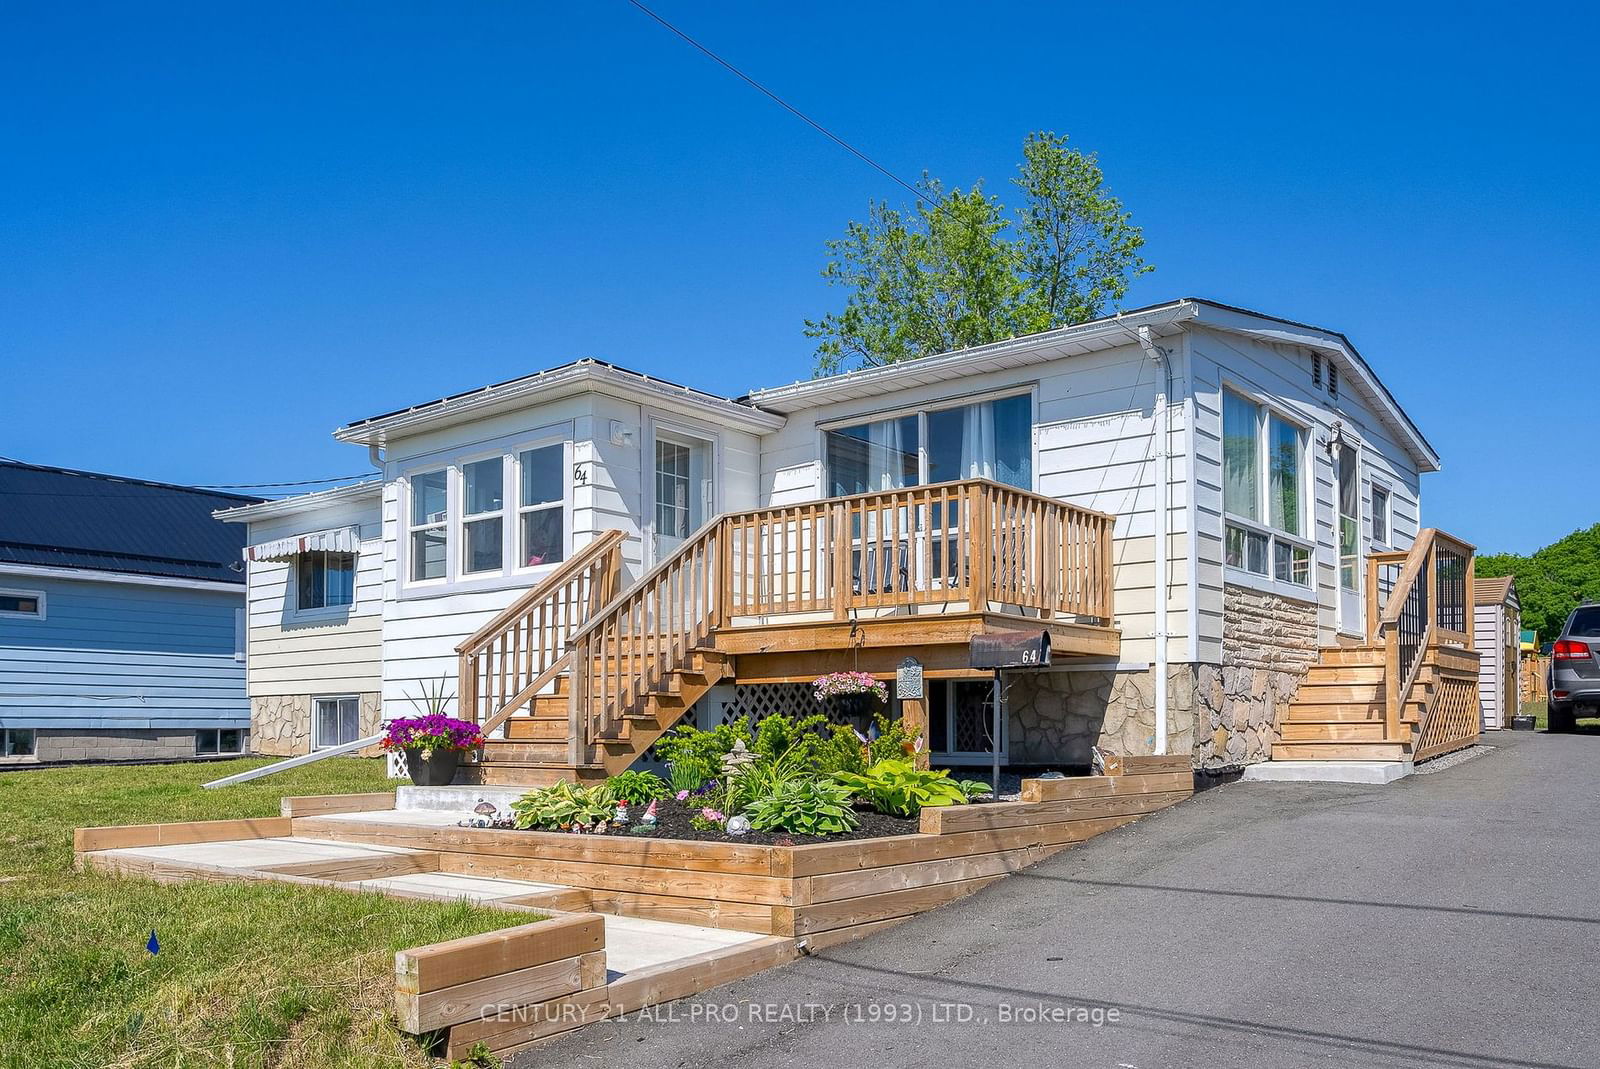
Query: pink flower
[682, 795]
[712, 814]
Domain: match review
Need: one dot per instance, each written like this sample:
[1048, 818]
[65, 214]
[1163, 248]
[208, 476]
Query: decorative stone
[738, 825]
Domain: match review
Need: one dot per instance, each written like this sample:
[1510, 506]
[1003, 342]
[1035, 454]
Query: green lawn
[247, 975]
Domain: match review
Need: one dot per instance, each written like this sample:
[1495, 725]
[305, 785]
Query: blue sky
[227, 230]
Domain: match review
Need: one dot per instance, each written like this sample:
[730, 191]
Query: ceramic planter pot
[436, 771]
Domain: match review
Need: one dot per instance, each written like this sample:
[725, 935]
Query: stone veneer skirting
[280, 724]
[1226, 714]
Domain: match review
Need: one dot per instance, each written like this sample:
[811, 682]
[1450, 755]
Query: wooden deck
[637, 921]
[777, 595]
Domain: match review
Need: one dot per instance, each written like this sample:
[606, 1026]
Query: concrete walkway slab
[1373, 772]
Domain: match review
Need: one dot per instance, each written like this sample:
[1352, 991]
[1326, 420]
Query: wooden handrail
[524, 647]
[1411, 623]
[476, 641]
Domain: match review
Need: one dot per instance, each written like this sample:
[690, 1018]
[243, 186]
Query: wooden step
[523, 751]
[1356, 655]
[1340, 751]
[537, 728]
[1347, 712]
[1311, 693]
[1332, 730]
[1345, 673]
[520, 775]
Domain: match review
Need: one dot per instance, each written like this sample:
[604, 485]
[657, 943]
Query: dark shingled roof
[79, 519]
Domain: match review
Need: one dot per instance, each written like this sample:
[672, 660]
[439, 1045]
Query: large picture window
[1263, 488]
[986, 440]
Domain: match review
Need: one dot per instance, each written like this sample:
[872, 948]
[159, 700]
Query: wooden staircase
[579, 676]
[1411, 691]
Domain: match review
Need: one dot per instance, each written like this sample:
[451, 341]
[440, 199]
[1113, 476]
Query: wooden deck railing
[1419, 603]
[966, 545]
[962, 543]
[510, 659]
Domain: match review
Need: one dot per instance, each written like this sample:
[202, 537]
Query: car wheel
[1561, 720]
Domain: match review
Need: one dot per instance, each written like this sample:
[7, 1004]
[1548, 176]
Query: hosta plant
[904, 790]
[804, 807]
[562, 805]
[638, 787]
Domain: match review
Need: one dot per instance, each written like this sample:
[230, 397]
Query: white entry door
[683, 489]
[1351, 560]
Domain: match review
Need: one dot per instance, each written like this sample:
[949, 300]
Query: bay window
[488, 517]
[1263, 488]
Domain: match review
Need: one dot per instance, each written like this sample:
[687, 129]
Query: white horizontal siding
[1282, 374]
[324, 652]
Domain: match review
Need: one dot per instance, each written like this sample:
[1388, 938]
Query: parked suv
[1575, 669]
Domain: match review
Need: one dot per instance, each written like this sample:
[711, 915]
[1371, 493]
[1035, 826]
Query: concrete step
[507, 775]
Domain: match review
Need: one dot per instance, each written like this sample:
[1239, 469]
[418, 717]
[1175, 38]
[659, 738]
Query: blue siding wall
[114, 655]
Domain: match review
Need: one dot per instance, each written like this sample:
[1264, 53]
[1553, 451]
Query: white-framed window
[209, 742]
[1263, 491]
[17, 744]
[22, 604]
[335, 720]
[324, 581]
[426, 530]
[990, 439]
[488, 516]
[1380, 515]
[483, 515]
[541, 505]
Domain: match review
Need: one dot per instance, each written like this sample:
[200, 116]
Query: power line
[936, 205]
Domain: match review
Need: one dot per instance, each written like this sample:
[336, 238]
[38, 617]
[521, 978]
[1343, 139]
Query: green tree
[958, 270]
[1552, 581]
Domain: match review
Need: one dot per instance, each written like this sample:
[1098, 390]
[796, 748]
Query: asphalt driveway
[1450, 919]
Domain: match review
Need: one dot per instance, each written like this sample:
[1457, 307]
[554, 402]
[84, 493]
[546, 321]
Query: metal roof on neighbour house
[59, 518]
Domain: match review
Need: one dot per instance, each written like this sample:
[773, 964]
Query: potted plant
[854, 696]
[433, 745]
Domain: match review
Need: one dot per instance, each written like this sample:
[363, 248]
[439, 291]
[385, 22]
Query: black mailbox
[1010, 649]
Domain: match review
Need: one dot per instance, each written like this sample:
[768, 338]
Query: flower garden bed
[673, 822]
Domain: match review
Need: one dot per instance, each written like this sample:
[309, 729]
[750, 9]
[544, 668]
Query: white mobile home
[1187, 497]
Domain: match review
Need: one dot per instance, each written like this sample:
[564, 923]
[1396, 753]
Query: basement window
[210, 742]
[16, 742]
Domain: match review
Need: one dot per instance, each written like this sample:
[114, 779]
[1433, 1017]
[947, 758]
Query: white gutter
[1160, 434]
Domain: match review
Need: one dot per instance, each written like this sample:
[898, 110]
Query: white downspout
[1160, 433]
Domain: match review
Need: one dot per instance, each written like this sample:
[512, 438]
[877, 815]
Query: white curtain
[886, 450]
[977, 442]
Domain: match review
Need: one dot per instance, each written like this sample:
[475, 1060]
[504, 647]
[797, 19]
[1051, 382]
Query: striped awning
[337, 540]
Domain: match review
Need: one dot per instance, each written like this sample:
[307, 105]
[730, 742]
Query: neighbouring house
[1203, 506]
[315, 618]
[121, 619]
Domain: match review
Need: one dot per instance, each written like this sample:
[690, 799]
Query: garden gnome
[649, 818]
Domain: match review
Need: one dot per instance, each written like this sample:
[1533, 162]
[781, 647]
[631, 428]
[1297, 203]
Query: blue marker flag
[154, 945]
